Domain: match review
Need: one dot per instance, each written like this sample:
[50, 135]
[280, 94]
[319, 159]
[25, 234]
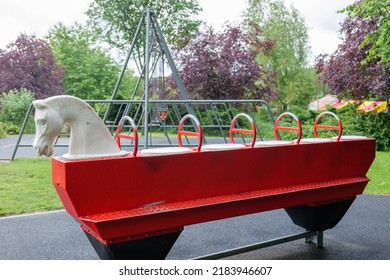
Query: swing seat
[272, 143]
[352, 137]
[166, 151]
[317, 140]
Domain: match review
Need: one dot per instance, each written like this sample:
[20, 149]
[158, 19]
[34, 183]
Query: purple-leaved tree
[345, 74]
[223, 65]
[29, 63]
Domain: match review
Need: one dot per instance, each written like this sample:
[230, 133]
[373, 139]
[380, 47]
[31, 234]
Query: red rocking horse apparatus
[135, 205]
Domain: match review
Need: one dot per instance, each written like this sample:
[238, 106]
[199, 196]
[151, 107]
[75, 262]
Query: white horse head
[48, 125]
[89, 137]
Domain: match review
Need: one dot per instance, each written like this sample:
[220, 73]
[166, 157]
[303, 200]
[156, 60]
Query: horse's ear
[40, 104]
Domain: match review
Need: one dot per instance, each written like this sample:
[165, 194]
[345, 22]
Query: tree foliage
[289, 55]
[90, 73]
[286, 26]
[221, 65]
[343, 72]
[117, 20]
[377, 40]
[29, 63]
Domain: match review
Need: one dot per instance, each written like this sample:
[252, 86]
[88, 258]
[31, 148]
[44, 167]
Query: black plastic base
[319, 217]
[152, 248]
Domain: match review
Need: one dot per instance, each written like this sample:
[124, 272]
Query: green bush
[376, 126]
[2, 131]
[354, 123]
[14, 105]
[8, 129]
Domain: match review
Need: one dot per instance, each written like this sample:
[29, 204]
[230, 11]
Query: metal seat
[222, 147]
[317, 140]
[166, 151]
[351, 137]
[272, 143]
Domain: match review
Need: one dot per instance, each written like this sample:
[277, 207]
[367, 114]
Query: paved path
[363, 234]
[7, 147]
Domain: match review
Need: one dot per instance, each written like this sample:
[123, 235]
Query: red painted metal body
[127, 198]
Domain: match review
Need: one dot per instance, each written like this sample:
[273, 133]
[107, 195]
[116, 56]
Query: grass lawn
[25, 184]
[25, 187]
[379, 174]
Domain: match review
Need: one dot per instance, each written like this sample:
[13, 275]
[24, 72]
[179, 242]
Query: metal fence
[164, 117]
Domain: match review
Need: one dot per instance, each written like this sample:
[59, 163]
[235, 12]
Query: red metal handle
[244, 131]
[296, 129]
[198, 134]
[119, 136]
[338, 127]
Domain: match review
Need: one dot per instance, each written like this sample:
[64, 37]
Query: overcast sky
[37, 16]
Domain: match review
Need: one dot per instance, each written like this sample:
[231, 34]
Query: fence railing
[164, 117]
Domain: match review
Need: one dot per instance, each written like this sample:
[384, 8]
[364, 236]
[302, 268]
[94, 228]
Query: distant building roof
[332, 100]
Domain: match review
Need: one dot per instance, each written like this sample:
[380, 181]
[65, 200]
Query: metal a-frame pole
[175, 73]
[149, 17]
[123, 70]
[146, 77]
[151, 21]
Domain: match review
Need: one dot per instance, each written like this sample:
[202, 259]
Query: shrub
[15, 104]
[2, 130]
[354, 123]
[8, 129]
[375, 126]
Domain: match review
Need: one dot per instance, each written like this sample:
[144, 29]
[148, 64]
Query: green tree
[301, 87]
[286, 27]
[90, 73]
[377, 40]
[116, 20]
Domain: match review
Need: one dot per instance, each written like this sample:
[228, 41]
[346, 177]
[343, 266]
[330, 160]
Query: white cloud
[37, 16]
[323, 21]
[218, 12]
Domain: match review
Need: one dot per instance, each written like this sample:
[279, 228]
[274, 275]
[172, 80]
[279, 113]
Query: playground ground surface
[361, 235]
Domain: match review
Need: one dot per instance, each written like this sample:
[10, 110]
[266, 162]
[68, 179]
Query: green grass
[379, 174]
[26, 187]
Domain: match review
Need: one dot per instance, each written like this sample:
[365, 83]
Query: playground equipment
[89, 136]
[135, 205]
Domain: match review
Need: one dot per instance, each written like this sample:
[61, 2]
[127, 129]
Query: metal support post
[236, 251]
[22, 131]
[317, 239]
[146, 94]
